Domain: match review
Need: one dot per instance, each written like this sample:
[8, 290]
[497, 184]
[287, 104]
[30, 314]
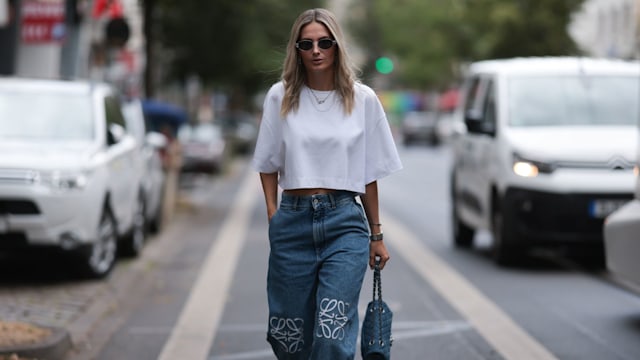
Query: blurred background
[196, 71]
[214, 58]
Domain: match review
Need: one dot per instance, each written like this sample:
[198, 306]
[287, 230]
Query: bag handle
[377, 281]
[377, 298]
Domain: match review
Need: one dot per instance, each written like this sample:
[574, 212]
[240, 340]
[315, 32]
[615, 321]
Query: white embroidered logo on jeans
[288, 332]
[332, 319]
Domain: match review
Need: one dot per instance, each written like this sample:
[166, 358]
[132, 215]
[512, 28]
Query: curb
[54, 347]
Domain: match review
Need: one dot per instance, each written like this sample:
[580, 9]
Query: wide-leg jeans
[318, 258]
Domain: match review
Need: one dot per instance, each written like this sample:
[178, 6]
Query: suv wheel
[135, 239]
[99, 258]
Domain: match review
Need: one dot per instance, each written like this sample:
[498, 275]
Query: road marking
[249, 355]
[423, 329]
[194, 332]
[495, 326]
[401, 330]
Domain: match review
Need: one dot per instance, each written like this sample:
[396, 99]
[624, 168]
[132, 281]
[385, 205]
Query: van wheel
[98, 259]
[462, 233]
[137, 235]
[503, 250]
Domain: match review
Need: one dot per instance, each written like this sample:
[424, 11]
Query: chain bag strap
[376, 340]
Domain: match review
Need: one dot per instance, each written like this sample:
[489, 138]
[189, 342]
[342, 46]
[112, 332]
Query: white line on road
[249, 355]
[402, 330]
[194, 332]
[495, 326]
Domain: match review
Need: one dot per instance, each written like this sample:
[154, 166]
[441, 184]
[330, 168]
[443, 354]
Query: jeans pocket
[361, 215]
[274, 216]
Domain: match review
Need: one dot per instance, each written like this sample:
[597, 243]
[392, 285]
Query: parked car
[150, 144]
[622, 243]
[548, 153]
[203, 148]
[419, 126]
[240, 129]
[70, 172]
[448, 126]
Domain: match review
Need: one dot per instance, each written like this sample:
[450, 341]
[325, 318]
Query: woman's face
[317, 59]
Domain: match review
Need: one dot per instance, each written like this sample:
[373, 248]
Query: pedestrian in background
[325, 140]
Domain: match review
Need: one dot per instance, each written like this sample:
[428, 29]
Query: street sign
[42, 21]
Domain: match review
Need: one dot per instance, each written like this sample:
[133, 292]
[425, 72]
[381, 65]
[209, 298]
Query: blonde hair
[293, 72]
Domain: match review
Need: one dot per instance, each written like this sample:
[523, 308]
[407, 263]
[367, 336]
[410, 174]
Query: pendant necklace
[318, 100]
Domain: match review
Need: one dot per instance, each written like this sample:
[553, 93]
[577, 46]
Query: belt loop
[295, 203]
[332, 199]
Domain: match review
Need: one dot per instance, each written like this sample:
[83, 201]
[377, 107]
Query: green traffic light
[384, 65]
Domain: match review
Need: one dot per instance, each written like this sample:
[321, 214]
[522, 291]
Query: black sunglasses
[306, 45]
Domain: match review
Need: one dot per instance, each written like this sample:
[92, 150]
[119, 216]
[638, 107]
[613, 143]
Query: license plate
[602, 208]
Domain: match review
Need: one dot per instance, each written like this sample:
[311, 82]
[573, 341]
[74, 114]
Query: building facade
[607, 28]
[91, 39]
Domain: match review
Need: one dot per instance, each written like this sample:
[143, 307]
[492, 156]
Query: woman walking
[325, 140]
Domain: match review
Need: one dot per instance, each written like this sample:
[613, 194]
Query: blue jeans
[319, 255]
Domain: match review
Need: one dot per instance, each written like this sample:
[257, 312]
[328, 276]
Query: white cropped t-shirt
[320, 146]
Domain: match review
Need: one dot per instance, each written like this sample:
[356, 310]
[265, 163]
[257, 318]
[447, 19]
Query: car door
[485, 151]
[474, 166]
[123, 167]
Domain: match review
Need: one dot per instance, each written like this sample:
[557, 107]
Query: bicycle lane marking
[193, 334]
[494, 325]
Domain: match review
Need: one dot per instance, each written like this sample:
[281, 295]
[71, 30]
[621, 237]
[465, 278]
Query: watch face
[376, 237]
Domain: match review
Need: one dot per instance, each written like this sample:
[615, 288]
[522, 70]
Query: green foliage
[430, 39]
[237, 45]
[522, 28]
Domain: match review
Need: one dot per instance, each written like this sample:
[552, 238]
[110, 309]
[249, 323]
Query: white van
[548, 153]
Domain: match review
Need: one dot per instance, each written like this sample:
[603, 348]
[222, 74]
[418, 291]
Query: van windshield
[45, 116]
[573, 100]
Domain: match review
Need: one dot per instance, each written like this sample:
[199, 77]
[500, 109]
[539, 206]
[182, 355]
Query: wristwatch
[376, 237]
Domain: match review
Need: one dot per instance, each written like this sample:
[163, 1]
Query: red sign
[42, 21]
[111, 8]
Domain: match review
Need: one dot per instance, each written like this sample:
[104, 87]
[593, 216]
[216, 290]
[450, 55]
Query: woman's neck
[321, 82]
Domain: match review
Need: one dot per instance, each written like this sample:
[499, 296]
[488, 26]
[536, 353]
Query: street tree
[430, 40]
[237, 46]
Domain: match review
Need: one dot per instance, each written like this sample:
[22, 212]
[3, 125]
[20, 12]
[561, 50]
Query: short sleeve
[268, 155]
[382, 157]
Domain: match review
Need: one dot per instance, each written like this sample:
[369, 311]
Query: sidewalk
[49, 321]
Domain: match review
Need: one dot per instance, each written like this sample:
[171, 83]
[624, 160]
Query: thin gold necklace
[318, 100]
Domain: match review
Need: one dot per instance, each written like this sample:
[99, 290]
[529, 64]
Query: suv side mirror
[156, 140]
[115, 134]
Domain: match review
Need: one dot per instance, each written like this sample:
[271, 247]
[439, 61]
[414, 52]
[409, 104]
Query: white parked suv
[70, 173]
[548, 153]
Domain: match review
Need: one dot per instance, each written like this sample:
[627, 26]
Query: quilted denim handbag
[376, 340]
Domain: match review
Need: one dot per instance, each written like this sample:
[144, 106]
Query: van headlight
[526, 167]
[64, 180]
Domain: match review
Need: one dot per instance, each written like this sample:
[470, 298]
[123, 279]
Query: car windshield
[45, 116]
[573, 100]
